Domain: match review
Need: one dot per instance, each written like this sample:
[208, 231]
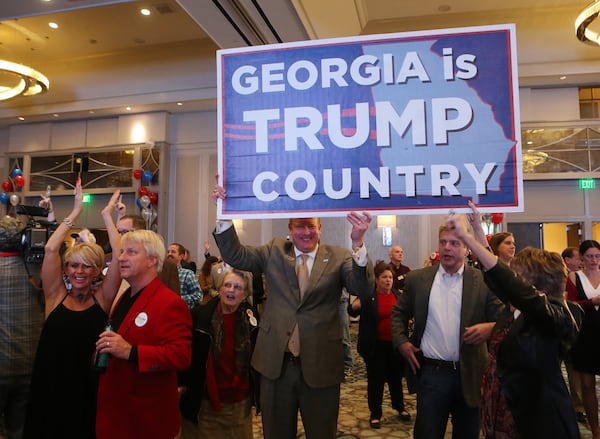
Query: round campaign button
[141, 319]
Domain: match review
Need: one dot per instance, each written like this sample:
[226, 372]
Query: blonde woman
[62, 402]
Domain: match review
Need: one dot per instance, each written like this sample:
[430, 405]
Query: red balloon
[488, 238]
[7, 186]
[143, 190]
[137, 174]
[153, 198]
[19, 180]
[497, 217]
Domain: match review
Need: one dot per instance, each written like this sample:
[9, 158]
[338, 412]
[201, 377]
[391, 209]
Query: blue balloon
[16, 172]
[147, 176]
[139, 202]
[4, 198]
[155, 179]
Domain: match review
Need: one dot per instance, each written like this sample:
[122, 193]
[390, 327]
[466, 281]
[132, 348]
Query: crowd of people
[131, 341]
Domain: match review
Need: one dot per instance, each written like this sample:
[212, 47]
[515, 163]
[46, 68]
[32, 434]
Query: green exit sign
[587, 183]
[87, 198]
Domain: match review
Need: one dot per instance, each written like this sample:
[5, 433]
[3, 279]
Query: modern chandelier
[584, 20]
[18, 79]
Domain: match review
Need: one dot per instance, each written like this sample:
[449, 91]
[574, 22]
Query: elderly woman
[219, 387]
[62, 402]
[524, 394]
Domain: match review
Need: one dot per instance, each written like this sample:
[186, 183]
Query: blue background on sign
[490, 137]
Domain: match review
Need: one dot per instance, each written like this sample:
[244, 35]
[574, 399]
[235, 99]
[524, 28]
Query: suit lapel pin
[251, 317]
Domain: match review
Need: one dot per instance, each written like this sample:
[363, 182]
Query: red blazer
[141, 401]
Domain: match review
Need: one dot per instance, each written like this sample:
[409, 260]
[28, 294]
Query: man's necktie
[302, 274]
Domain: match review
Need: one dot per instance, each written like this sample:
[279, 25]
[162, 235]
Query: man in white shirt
[454, 313]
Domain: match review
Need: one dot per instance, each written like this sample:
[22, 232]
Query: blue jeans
[439, 395]
[14, 391]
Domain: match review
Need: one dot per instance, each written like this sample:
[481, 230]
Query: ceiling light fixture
[28, 81]
[584, 20]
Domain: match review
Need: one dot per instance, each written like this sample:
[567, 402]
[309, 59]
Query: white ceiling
[106, 56]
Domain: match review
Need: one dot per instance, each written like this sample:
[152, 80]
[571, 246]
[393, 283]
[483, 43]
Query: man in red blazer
[149, 343]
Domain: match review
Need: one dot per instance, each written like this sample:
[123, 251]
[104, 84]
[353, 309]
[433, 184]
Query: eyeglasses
[236, 287]
[122, 231]
[76, 265]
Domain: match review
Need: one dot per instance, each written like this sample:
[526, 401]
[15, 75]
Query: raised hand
[360, 224]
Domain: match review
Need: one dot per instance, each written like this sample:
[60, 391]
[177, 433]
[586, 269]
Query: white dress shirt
[441, 339]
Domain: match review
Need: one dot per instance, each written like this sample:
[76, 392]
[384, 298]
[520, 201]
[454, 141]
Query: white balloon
[14, 199]
[145, 201]
[147, 215]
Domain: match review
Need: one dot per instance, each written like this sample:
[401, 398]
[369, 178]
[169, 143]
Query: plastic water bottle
[101, 358]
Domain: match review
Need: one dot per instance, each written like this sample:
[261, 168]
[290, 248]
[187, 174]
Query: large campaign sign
[417, 122]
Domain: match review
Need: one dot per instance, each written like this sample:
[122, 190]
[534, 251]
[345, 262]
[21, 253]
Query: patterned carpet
[353, 421]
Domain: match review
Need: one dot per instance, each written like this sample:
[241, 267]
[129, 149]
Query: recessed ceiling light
[91, 111]
[55, 115]
[128, 108]
[180, 103]
[21, 118]
[145, 11]
[53, 25]
[562, 78]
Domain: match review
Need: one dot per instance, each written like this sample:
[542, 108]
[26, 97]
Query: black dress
[62, 401]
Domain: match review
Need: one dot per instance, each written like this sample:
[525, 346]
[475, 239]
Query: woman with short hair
[220, 386]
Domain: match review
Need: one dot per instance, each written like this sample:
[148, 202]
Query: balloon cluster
[145, 176]
[16, 179]
[146, 199]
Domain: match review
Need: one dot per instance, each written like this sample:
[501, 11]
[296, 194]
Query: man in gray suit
[305, 377]
[453, 311]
